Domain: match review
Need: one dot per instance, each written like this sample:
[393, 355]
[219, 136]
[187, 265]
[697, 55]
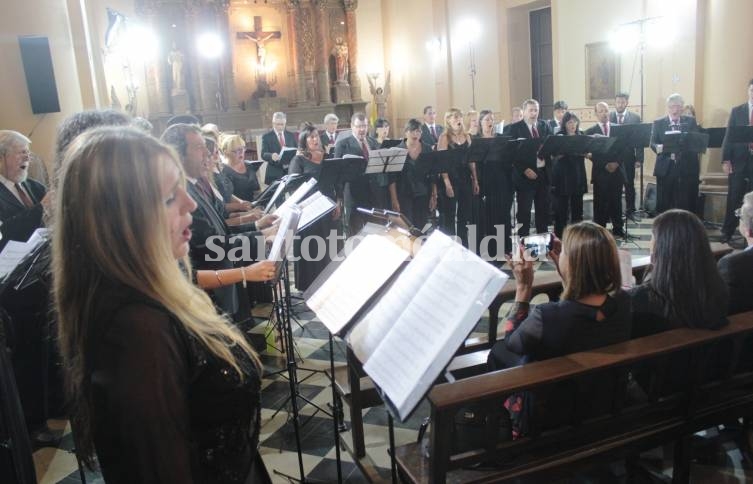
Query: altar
[295, 56]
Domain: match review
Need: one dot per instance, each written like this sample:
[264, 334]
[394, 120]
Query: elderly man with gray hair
[272, 144]
[676, 173]
[22, 200]
[736, 268]
[329, 134]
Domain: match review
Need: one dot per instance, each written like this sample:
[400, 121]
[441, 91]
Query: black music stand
[716, 136]
[383, 162]
[637, 136]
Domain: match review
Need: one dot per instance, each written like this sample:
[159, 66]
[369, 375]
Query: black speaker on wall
[40, 77]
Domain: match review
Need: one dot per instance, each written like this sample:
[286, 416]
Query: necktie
[675, 124]
[331, 138]
[620, 118]
[606, 129]
[24, 197]
[534, 131]
[433, 132]
[365, 150]
[282, 141]
[750, 123]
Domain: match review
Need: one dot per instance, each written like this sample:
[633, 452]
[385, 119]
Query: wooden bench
[717, 386]
[357, 389]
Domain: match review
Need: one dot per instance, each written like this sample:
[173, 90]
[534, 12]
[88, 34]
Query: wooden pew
[357, 389]
[627, 427]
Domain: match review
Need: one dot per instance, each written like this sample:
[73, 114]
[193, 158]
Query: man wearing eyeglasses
[736, 268]
[22, 200]
[272, 144]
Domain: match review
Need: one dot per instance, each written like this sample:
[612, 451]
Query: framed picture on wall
[602, 73]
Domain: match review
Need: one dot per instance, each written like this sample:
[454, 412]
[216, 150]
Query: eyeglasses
[239, 150]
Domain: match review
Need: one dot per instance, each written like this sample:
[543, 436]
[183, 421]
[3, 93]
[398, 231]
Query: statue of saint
[380, 95]
[261, 49]
[175, 59]
[340, 52]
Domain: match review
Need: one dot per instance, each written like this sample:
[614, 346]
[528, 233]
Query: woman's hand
[448, 190]
[522, 271]
[260, 271]
[476, 188]
[266, 221]
[337, 212]
[395, 206]
[555, 252]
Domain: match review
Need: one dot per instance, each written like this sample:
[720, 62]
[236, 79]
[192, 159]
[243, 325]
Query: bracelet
[243, 273]
[217, 275]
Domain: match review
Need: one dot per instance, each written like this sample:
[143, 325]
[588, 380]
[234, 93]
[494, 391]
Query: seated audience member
[736, 269]
[22, 199]
[161, 387]
[593, 311]
[683, 287]
[240, 172]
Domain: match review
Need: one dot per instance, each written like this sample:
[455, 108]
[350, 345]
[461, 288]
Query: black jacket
[19, 221]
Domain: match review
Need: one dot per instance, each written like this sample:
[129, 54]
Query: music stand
[389, 160]
[638, 137]
[716, 136]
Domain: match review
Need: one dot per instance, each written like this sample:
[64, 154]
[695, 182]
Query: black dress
[307, 270]
[224, 185]
[568, 186]
[165, 409]
[245, 185]
[412, 191]
[455, 214]
[498, 192]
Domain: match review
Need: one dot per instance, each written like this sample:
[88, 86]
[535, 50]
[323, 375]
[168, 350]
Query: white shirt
[12, 187]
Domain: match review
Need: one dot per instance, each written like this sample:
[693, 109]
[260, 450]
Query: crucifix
[260, 38]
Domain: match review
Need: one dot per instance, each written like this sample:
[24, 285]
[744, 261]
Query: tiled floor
[278, 447]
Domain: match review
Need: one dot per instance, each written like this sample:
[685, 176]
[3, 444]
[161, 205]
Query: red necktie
[620, 117]
[365, 150]
[24, 197]
[534, 131]
[331, 138]
[282, 141]
[606, 129]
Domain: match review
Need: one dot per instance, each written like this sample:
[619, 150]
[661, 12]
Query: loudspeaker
[40, 77]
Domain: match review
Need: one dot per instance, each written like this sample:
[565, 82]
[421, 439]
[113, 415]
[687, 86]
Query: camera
[538, 244]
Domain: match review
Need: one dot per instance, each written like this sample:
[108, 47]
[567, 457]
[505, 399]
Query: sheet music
[434, 304]
[360, 275]
[280, 187]
[286, 148]
[296, 197]
[386, 160]
[284, 237]
[348, 155]
[314, 207]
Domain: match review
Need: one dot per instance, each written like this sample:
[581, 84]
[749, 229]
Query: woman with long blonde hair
[160, 386]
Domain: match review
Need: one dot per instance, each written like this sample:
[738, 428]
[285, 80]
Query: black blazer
[553, 125]
[207, 223]
[630, 155]
[520, 130]
[686, 164]
[736, 270]
[426, 136]
[737, 153]
[599, 171]
[19, 222]
[361, 188]
[269, 145]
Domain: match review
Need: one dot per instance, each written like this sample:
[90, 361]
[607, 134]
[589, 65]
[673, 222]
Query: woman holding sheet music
[161, 387]
[409, 193]
[568, 179]
[308, 161]
[456, 188]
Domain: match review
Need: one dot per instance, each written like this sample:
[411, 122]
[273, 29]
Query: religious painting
[602, 73]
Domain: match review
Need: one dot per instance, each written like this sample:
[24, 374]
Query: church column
[322, 74]
[295, 72]
[194, 68]
[226, 61]
[350, 24]
[156, 88]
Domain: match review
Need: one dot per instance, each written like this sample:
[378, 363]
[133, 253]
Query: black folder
[685, 142]
[716, 136]
[391, 143]
[435, 162]
[636, 135]
[336, 171]
[566, 145]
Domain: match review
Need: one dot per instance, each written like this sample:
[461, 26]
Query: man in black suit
[272, 143]
[559, 110]
[22, 200]
[531, 176]
[676, 173]
[737, 163]
[209, 230]
[368, 190]
[430, 130]
[631, 158]
[736, 268]
[607, 177]
[329, 133]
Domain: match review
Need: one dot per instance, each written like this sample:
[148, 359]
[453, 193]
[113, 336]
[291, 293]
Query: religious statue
[261, 50]
[380, 95]
[340, 52]
[175, 59]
